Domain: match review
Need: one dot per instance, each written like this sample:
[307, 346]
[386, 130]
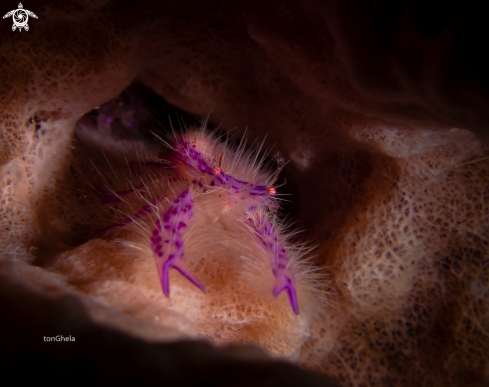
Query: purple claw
[285, 283]
[178, 264]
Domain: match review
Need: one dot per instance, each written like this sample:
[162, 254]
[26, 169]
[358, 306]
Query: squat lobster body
[205, 169]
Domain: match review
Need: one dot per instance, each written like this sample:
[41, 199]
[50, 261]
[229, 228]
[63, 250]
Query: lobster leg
[284, 277]
[167, 244]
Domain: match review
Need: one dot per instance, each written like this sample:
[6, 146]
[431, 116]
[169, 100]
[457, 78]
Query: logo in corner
[20, 17]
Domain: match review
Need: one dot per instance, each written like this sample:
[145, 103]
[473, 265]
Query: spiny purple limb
[194, 159]
[284, 278]
[167, 243]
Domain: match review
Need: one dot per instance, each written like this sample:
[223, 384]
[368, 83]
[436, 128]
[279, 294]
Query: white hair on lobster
[206, 183]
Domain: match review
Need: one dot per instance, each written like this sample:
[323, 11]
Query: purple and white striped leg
[167, 243]
[284, 277]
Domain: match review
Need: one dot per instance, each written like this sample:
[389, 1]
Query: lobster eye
[271, 191]
[216, 170]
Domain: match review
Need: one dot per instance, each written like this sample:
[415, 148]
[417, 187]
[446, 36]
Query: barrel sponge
[394, 195]
[48, 83]
[412, 268]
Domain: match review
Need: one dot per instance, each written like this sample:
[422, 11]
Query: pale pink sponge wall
[388, 171]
